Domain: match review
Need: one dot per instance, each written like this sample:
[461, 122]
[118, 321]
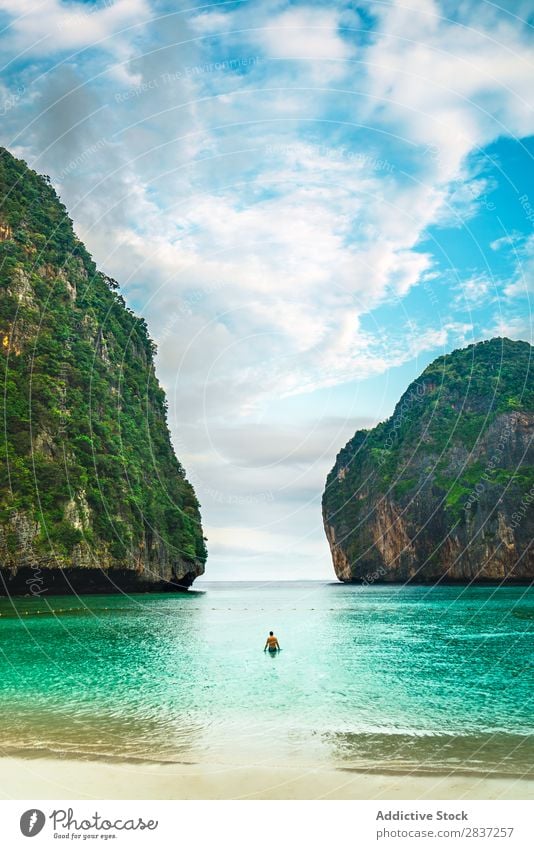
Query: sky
[307, 201]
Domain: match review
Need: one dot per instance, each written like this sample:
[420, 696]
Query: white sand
[69, 779]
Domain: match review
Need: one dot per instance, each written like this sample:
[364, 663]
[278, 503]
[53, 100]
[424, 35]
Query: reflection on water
[98, 735]
[384, 678]
[494, 753]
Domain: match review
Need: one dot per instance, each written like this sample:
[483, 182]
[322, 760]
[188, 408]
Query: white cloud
[255, 541]
[451, 87]
[513, 327]
[318, 41]
[41, 28]
[523, 283]
[509, 240]
[474, 292]
[305, 32]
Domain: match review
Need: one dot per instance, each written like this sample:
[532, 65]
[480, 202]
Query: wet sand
[43, 778]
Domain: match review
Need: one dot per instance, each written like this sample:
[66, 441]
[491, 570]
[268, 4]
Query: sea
[378, 678]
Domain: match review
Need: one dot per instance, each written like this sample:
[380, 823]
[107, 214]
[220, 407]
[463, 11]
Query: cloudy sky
[308, 202]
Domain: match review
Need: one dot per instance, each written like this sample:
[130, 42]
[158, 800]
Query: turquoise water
[396, 678]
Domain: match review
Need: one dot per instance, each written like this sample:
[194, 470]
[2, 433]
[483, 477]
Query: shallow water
[400, 678]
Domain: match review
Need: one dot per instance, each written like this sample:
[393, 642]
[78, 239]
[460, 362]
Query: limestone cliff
[92, 497]
[443, 490]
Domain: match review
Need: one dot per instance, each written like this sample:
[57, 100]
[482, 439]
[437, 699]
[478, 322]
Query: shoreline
[72, 779]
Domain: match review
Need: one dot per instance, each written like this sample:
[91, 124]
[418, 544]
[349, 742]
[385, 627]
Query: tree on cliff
[440, 490]
[90, 479]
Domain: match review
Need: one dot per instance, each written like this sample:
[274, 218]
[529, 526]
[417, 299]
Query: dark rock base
[36, 581]
[442, 581]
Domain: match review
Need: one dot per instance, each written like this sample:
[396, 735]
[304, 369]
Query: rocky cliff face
[92, 497]
[443, 490]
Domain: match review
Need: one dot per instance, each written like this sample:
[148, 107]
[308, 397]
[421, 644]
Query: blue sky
[307, 201]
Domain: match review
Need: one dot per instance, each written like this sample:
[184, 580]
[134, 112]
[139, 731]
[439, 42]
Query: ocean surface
[380, 678]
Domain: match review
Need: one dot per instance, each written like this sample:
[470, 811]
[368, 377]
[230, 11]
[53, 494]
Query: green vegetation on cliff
[89, 473]
[433, 490]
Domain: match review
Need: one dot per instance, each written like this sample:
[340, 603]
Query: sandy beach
[43, 778]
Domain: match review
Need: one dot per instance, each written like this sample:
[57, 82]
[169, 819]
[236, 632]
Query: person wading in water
[272, 643]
